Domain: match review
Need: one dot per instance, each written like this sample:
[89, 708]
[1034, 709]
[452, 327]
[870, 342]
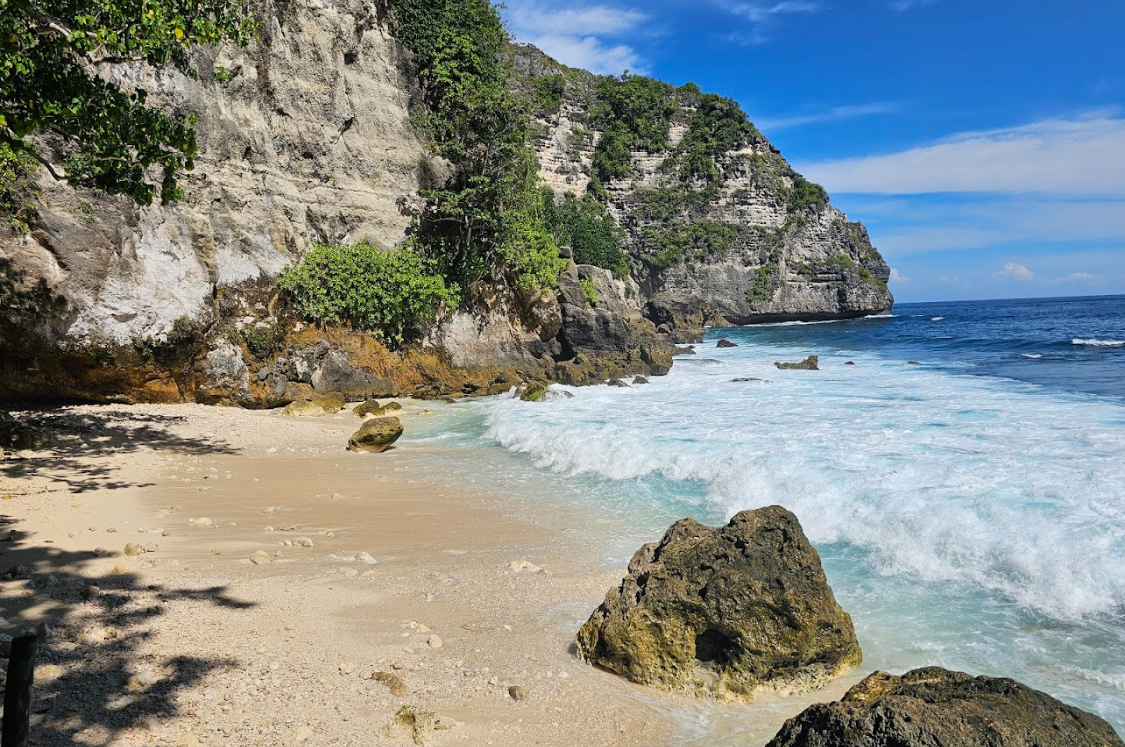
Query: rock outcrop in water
[724, 611]
[933, 706]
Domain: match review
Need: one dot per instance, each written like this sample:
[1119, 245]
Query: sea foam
[1092, 342]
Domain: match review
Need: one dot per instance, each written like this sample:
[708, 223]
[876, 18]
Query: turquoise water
[970, 510]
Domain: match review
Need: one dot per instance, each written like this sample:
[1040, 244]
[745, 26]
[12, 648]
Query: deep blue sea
[969, 506]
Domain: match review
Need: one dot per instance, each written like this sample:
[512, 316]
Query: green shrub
[634, 113]
[259, 341]
[680, 242]
[17, 186]
[806, 196]
[717, 127]
[588, 229]
[547, 91]
[393, 293]
[766, 279]
[589, 291]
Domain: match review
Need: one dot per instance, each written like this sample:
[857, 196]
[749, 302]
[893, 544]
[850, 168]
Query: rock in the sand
[434, 641]
[515, 692]
[725, 343]
[303, 542]
[366, 558]
[394, 683]
[17, 435]
[519, 566]
[392, 407]
[370, 408]
[812, 363]
[318, 405]
[935, 706]
[415, 723]
[724, 611]
[133, 549]
[375, 435]
[261, 557]
[90, 592]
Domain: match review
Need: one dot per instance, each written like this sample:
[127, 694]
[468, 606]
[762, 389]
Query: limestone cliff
[307, 135]
[719, 228]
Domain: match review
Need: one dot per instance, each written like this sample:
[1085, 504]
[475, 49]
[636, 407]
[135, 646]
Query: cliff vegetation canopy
[52, 54]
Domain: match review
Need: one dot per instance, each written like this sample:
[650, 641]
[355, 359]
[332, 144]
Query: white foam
[1098, 343]
[937, 318]
[1032, 356]
[938, 477]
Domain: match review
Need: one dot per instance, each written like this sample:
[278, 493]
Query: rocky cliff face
[718, 227]
[306, 135]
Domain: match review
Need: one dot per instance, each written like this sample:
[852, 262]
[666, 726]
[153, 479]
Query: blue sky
[982, 142]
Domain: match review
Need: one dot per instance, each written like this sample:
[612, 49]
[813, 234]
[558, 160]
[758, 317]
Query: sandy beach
[376, 590]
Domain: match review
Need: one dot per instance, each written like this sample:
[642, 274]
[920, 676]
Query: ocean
[963, 480]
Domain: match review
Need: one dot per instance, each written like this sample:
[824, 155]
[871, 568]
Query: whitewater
[967, 499]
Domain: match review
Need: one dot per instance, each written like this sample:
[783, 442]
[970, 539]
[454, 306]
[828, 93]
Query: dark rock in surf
[375, 435]
[725, 343]
[724, 611]
[812, 363]
[934, 706]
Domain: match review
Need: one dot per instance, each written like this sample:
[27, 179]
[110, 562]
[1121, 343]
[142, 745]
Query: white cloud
[1078, 277]
[583, 36]
[1015, 272]
[1058, 156]
[835, 114]
[762, 15]
[897, 278]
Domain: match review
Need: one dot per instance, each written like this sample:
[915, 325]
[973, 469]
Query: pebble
[518, 566]
[90, 592]
[347, 667]
[517, 693]
[132, 549]
[261, 557]
[202, 522]
[303, 542]
[101, 552]
[366, 558]
[394, 683]
[435, 641]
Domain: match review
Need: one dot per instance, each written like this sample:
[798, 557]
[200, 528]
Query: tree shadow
[77, 435]
[95, 677]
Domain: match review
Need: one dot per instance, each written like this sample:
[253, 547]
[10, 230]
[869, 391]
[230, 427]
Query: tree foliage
[393, 293]
[634, 113]
[588, 229]
[55, 60]
[488, 218]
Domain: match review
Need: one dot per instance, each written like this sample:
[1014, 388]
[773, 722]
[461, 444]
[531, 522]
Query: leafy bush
[806, 196]
[717, 127]
[392, 293]
[548, 93]
[634, 113]
[681, 241]
[766, 279]
[588, 229]
[487, 220]
[17, 191]
[589, 291]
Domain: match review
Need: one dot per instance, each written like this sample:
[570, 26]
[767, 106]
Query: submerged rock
[935, 706]
[375, 435]
[724, 611]
[812, 363]
[725, 343]
[536, 392]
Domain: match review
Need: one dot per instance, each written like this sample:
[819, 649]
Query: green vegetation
[805, 196]
[766, 279]
[633, 113]
[17, 186]
[51, 54]
[681, 241]
[547, 92]
[259, 341]
[392, 293]
[841, 263]
[589, 291]
[717, 127]
[669, 203]
[487, 220]
[221, 75]
[588, 229]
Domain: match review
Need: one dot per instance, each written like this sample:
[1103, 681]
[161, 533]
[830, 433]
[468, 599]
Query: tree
[56, 60]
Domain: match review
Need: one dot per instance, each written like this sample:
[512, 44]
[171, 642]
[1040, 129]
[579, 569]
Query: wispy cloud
[1058, 156]
[584, 36]
[908, 4]
[762, 15]
[833, 114]
[896, 277]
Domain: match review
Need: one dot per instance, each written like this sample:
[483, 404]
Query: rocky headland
[306, 135]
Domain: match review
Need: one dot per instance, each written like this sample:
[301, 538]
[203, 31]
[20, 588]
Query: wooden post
[17, 696]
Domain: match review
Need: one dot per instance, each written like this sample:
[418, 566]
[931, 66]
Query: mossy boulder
[370, 408]
[318, 405]
[392, 407]
[534, 392]
[724, 612]
[812, 363]
[935, 706]
[375, 435]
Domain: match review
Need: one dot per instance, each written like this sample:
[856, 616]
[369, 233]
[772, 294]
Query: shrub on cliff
[52, 55]
[588, 229]
[393, 293]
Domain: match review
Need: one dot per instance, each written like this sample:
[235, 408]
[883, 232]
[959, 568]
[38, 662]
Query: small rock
[261, 557]
[152, 547]
[849, 363]
[303, 542]
[913, 363]
[725, 343]
[394, 683]
[518, 566]
[808, 364]
[90, 592]
[375, 435]
[517, 693]
[640, 380]
[435, 641]
[101, 552]
[366, 558]
[347, 667]
[202, 522]
[617, 383]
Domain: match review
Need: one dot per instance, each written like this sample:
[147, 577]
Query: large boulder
[932, 707]
[724, 611]
[17, 435]
[316, 406]
[375, 435]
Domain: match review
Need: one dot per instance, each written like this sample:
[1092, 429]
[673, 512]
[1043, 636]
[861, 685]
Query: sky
[982, 142]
